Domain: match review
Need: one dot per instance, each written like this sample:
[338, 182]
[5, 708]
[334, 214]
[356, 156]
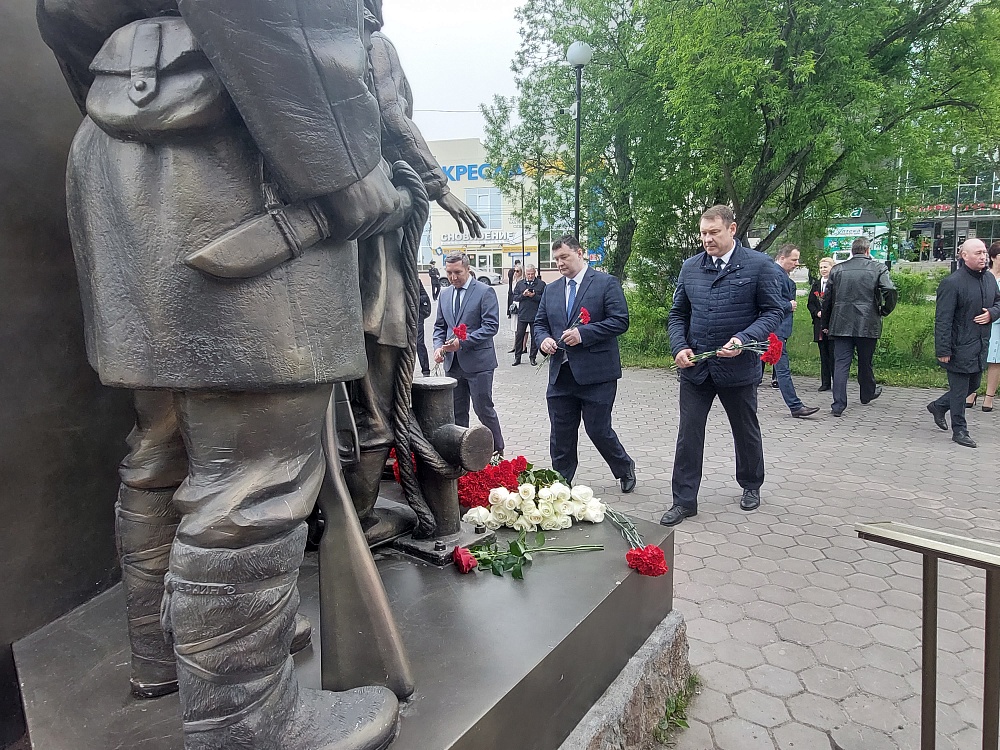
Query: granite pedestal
[498, 662]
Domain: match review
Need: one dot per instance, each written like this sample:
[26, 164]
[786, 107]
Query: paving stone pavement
[806, 638]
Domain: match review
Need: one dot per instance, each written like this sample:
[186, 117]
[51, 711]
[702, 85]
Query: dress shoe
[515, 363]
[878, 392]
[938, 413]
[677, 514]
[988, 403]
[805, 411]
[774, 383]
[824, 388]
[750, 500]
[534, 363]
[511, 351]
[836, 413]
[963, 438]
[972, 404]
[628, 481]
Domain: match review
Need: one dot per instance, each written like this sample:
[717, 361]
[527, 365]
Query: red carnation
[648, 560]
[465, 561]
[773, 353]
[395, 464]
[584, 316]
[461, 332]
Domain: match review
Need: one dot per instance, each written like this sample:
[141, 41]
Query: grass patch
[675, 712]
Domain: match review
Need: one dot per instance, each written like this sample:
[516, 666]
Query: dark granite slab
[498, 662]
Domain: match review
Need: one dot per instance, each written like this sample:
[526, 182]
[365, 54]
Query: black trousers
[843, 352]
[477, 387]
[825, 362]
[568, 401]
[435, 288]
[524, 322]
[425, 365]
[961, 385]
[740, 403]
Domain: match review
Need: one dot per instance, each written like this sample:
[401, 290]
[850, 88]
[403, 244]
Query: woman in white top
[993, 355]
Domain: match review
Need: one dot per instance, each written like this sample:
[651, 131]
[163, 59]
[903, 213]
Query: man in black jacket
[726, 296]
[435, 276]
[968, 301]
[527, 295]
[858, 295]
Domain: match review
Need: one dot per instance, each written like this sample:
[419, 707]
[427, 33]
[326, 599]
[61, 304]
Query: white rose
[498, 495]
[545, 494]
[582, 493]
[549, 524]
[477, 516]
[527, 506]
[546, 509]
[523, 524]
[511, 501]
[578, 506]
[565, 522]
[535, 516]
[526, 491]
[594, 512]
[560, 491]
[493, 523]
[563, 507]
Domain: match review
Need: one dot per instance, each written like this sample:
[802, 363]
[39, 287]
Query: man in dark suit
[858, 295]
[435, 276]
[584, 361]
[787, 259]
[527, 295]
[472, 361]
[726, 296]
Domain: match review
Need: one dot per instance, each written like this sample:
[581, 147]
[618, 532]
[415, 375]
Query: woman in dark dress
[815, 304]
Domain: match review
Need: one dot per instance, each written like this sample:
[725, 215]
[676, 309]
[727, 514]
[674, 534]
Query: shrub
[913, 288]
[647, 333]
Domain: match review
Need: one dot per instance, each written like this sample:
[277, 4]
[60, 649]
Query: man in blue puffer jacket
[727, 296]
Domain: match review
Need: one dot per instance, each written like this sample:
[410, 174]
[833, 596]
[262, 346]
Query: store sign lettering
[456, 173]
[488, 236]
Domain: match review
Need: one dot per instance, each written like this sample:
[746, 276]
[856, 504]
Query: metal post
[928, 667]
[991, 686]
[579, 116]
[958, 187]
[523, 266]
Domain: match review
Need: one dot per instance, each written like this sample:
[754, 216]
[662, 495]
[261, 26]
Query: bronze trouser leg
[372, 401]
[144, 527]
[256, 465]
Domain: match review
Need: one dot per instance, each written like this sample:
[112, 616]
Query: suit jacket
[710, 308]
[850, 306]
[815, 304]
[480, 313]
[527, 307]
[596, 359]
[788, 293]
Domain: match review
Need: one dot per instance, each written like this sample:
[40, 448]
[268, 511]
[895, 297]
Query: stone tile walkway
[806, 637]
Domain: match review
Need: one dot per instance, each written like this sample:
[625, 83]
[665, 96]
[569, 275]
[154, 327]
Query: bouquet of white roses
[550, 507]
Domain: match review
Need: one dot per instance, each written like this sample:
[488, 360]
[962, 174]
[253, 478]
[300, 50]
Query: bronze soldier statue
[229, 158]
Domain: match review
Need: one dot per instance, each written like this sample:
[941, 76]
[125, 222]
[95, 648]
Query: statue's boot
[389, 520]
[145, 524]
[232, 614]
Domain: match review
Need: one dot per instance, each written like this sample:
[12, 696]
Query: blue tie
[572, 299]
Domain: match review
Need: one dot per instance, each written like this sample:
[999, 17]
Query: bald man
[968, 301]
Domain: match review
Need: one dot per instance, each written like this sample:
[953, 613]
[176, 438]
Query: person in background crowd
[471, 361]
[584, 360]
[514, 275]
[435, 277]
[527, 295]
[993, 355]
[859, 294]
[817, 292]
[968, 301]
[423, 314]
[726, 296]
[787, 259]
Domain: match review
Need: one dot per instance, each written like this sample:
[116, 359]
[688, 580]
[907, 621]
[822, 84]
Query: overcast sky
[457, 55]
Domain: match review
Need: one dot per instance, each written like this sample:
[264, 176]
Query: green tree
[792, 105]
[633, 165]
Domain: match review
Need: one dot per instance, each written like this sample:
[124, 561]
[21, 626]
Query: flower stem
[578, 548]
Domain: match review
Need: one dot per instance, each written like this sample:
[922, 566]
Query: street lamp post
[957, 152]
[578, 55]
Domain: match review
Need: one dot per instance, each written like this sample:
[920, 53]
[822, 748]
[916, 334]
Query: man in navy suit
[787, 259]
[726, 296]
[584, 362]
[472, 361]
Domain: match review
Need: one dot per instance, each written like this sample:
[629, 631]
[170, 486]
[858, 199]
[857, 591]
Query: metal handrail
[940, 545]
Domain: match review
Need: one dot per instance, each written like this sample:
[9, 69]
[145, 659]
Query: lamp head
[579, 54]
